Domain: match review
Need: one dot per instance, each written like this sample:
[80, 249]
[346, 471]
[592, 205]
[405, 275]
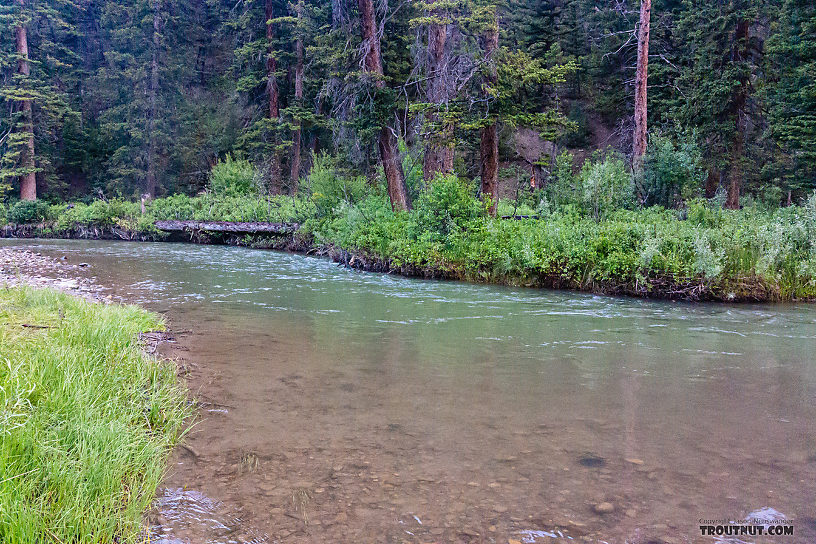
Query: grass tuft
[86, 419]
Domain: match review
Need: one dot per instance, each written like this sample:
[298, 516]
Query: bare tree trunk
[489, 140]
[735, 174]
[296, 133]
[389, 152]
[273, 94]
[150, 183]
[641, 86]
[28, 180]
[438, 149]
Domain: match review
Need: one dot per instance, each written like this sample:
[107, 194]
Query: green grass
[87, 419]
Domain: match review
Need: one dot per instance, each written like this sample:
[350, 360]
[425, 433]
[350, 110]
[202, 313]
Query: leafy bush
[175, 208]
[232, 177]
[671, 173]
[606, 185]
[328, 188]
[99, 213]
[702, 213]
[448, 204]
[29, 211]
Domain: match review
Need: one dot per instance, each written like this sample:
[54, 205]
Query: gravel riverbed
[20, 267]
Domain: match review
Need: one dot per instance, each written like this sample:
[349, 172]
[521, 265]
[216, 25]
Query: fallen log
[228, 226]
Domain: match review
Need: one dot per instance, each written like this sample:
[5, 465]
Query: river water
[346, 407]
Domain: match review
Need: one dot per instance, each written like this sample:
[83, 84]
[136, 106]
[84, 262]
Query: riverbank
[89, 418]
[700, 253]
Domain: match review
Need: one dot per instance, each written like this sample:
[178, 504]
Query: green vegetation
[586, 230]
[137, 96]
[300, 112]
[87, 419]
[700, 252]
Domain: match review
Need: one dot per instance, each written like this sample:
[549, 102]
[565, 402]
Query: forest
[547, 111]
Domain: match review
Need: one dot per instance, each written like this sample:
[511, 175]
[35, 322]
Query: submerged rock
[604, 508]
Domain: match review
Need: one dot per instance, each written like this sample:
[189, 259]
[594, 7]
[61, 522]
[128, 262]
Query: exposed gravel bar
[24, 267]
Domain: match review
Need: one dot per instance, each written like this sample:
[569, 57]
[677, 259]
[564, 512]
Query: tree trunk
[150, 183]
[489, 140]
[28, 180]
[639, 139]
[735, 174]
[389, 152]
[438, 149]
[712, 182]
[296, 133]
[273, 94]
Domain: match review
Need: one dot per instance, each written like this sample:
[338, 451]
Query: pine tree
[715, 81]
[389, 152]
[790, 92]
[36, 75]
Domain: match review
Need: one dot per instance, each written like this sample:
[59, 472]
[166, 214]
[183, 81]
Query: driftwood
[226, 226]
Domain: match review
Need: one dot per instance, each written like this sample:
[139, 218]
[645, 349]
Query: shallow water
[340, 406]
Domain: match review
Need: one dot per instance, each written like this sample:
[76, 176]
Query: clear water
[340, 406]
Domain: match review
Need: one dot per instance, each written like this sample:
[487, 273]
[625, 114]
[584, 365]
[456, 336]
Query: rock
[604, 508]
[500, 509]
[631, 512]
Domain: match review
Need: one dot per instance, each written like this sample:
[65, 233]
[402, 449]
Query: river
[349, 407]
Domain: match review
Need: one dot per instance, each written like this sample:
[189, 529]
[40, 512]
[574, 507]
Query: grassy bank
[590, 231]
[88, 419]
[705, 253]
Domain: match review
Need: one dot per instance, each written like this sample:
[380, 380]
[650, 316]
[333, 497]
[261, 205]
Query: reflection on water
[340, 406]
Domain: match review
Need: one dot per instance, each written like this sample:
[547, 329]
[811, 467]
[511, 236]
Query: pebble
[604, 508]
[500, 509]
[634, 461]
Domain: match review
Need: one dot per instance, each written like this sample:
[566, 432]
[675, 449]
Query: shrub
[671, 174]
[606, 185]
[704, 214]
[29, 211]
[328, 189]
[232, 177]
[564, 190]
[447, 205]
[97, 213]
